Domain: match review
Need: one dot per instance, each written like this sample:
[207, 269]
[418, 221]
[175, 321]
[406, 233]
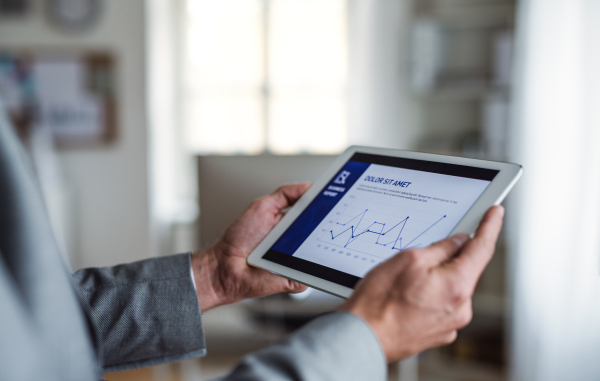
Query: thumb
[287, 195]
[477, 254]
[444, 250]
[295, 287]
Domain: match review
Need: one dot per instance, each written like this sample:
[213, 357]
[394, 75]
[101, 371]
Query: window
[264, 76]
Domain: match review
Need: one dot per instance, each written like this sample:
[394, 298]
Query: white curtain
[554, 217]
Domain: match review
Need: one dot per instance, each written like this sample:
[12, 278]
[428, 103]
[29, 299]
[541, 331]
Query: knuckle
[464, 317]
[450, 337]
[282, 188]
[446, 246]
[459, 292]
[259, 202]
[414, 257]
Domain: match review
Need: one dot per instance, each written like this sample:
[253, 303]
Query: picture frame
[70, 92]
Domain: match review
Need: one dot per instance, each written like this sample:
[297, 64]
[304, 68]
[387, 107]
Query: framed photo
[71, 94]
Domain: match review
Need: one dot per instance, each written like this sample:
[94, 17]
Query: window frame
[265, 89]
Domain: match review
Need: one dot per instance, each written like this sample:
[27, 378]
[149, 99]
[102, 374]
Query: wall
[110, 185]
[382, 109]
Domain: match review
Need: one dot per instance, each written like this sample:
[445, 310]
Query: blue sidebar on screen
[310, 218]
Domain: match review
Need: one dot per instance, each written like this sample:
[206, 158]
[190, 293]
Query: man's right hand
[419, 298]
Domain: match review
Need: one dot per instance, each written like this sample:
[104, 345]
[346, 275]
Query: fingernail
[460, 239]
[501, 210]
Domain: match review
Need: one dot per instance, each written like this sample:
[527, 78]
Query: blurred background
[154, 123]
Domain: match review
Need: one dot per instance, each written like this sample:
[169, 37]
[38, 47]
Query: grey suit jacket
[58, 326]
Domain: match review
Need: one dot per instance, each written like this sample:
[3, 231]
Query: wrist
[374, 322]
[205, 268]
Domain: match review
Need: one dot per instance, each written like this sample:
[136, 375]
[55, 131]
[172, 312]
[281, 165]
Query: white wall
[110, 184]
[382, 109]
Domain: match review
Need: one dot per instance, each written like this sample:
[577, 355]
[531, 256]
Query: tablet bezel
[502, 183]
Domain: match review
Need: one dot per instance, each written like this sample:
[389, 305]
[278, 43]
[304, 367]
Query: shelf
[461, 14]
[455, 93]
[436, 367]
[474, 91]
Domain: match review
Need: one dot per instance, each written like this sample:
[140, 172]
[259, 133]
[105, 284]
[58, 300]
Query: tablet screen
[373, 208]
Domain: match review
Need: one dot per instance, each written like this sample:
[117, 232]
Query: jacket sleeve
[144, 313]
[337, 346]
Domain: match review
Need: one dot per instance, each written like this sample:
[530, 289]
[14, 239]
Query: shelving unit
[460, 56]
[460, 75]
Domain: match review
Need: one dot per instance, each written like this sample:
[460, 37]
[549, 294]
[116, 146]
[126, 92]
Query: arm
[143, 313]
[148, 312]
[430, 298]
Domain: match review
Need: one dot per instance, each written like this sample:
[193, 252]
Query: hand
[419, 298]
[221, 273]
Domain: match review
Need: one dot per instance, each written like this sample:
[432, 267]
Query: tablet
[373, 203]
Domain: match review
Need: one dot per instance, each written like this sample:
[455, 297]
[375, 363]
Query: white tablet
[373, 203]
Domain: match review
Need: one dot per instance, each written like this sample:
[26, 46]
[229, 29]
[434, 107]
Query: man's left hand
[222, 274]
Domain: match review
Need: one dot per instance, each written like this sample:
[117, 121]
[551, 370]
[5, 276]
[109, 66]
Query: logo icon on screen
[341, 178]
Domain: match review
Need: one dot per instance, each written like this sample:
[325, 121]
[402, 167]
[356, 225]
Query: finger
[479, 251]
[269, 283]
[441, 251]
[433, 255]
[287, 195]
[295, 287]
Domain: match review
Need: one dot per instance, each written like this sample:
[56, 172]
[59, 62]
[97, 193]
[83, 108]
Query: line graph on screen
[380, 229]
